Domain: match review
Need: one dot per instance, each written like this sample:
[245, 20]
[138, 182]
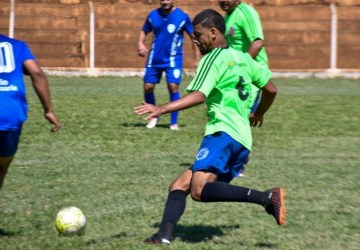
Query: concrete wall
[297, 33]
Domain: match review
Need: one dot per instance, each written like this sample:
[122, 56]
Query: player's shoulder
[246, 9]
[4, 38]
[155, 12]
[181, 12]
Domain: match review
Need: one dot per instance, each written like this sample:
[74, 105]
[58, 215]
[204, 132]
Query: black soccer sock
[224, 192]
[174, 208]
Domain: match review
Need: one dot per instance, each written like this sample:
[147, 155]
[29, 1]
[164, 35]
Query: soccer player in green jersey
[223, 81]
[244, 32]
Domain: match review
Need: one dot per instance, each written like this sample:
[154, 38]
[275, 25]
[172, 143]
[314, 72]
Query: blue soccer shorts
[9, 141]
[153, 75]
[222, 155]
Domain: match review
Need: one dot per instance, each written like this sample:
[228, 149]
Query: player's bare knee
[173, 88]
[148, 88]
[195, 195]
[179, 185]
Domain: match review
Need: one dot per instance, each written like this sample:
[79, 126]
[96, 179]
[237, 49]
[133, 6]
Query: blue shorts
[9, 141]
[153, 75]
[222, 155]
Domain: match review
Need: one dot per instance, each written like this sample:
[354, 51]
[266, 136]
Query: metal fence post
[12, 19]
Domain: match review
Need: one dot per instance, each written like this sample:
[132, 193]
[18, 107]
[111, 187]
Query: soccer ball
[70, 221]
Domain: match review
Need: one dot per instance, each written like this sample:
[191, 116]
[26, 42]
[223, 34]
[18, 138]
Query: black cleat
[277, 206]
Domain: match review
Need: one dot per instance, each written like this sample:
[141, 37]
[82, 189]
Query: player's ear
[213, 33]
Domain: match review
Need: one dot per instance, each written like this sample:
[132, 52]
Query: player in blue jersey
[223, 81]
[168, 24]
[16, 60]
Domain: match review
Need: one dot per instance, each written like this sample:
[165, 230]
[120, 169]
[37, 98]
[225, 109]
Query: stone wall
[297, 32]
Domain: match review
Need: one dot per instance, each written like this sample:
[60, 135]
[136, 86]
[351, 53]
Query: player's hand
[146, 108]
[256, 120]
[51, 117]
[142, 51]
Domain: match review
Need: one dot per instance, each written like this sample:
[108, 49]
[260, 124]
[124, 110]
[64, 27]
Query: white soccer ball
[70, 221]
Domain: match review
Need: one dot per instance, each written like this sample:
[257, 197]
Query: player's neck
[168, 11]
[221, 43]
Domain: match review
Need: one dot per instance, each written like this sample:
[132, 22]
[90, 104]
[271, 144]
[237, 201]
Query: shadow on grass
[106, 239]
[200, 233]
[142, 125]
[135, 125]
[197, 233]
[3, 233]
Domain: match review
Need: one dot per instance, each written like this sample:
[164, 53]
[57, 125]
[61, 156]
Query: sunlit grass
[105, 162]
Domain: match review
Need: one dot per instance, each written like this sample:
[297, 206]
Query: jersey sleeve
[260, 74]
[207, 74]
[252, 25]
[26, 53]
[188, 25]
[147, 27]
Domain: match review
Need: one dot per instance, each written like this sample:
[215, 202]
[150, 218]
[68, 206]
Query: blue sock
[174, 115]
[150, 98]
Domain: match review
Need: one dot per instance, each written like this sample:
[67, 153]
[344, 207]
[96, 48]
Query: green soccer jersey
[243, 26]
[225, 76]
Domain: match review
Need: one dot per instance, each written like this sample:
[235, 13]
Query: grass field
[105, 162]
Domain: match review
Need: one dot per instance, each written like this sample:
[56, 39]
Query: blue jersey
[13, 105]
[168, 36]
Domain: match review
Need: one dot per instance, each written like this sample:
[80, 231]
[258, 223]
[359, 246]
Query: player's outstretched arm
[41, 86]
[268, 95]
[187, 101]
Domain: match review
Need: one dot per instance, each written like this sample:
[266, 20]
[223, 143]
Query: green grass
[105, 162]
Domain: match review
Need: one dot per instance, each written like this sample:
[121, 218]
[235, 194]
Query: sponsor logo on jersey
[232, 31]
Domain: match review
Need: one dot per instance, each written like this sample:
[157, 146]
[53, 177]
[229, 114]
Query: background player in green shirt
[223, 80]
[244, 32]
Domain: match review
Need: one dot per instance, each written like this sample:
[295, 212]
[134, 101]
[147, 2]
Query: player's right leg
[151, 78]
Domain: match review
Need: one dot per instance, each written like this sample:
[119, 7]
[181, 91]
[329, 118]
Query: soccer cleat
[174, 127]
[277, 206]
[152, 122]
[157, 240]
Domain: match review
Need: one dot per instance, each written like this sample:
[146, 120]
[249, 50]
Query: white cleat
[174, 127]
[152, 123]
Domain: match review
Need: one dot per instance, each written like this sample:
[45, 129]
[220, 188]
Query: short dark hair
[210, 18]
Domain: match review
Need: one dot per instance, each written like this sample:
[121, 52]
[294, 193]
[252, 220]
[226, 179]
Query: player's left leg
[4, 166]
[221, 155]
[174, 208]
[9, 141]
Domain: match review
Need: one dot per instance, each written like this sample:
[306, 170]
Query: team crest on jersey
[202, 154]
[232, 31]
[171, 28]
[176, 73]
